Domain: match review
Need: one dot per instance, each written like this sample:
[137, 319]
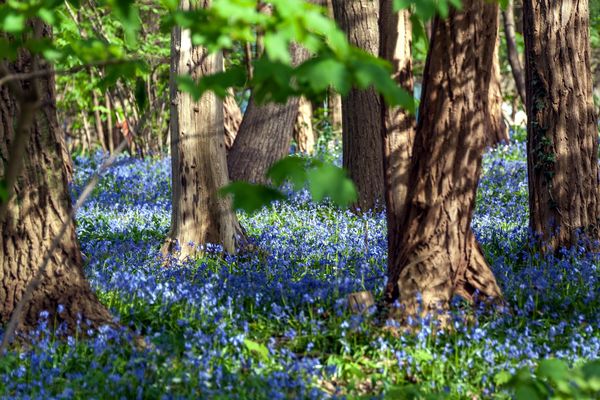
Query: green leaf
[276, 47]
[221, 81]
[553, 369]
[185, 83]
[260, 349]
[141, 95]
[250, 197]
[12, 22]
[290, 168]
[321, 73]
[502, 378]
[327, 180]
[3, 191]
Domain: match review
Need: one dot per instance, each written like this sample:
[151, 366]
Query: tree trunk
[98, 118]
[511, 46]
[398, 127]
[497, 128]
[437, 255]
[562, 135]
[334, 100]
[109, 124]
[35, 215]
[361, 109]
[233, 118]
[198, 156]
[304, 134]
[265, 134]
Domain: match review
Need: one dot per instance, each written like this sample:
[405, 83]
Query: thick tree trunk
[437, 255]
[233, 118]
[304, 134]
[516, 67]
[198, 156]
[562, 135]
[497, 128]
[35, 215]
[398, 127]
[265, 134]
[361, 109]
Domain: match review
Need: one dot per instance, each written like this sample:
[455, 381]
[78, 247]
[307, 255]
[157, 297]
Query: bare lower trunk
[562, 135]
[198, 156]
[304, 134]
[437, 254]
[361, 109]
[35, 215]
[516, 67]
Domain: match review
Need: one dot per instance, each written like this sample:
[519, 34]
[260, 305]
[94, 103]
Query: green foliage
[553, 379]
[323, 179]
[251, 197]
[427, 9]
[3, 191]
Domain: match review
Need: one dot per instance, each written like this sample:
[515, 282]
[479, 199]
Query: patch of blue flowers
[273, 323]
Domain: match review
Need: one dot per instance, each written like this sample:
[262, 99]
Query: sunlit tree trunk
[304, 134]
[35, 214]
[198, 156]
[437, 255]
[562, 133]
[233, 118]
[497, 128]
[508, 16]
[398, 127]
[361, 109]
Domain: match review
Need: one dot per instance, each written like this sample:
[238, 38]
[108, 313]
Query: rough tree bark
[562, 136]
[497, 128]
[397, 127]
[265, 134]
[437, 255]
[35, 214]
[516, 67]
[198, 155]
[304, 134]
[361, 109]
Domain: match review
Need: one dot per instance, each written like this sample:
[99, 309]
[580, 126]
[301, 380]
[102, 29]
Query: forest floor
[273, 323]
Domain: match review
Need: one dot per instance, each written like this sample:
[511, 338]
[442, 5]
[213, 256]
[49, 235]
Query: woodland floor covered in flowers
[272, 323]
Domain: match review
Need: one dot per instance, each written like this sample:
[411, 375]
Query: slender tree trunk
[265, 134]
[304, 134]
[97, 118]
[361, 109]
[334, 100]
[198, 155]
[233, 118]
[497, 128]
[437, 255]
[109, 124]
[35, 215]
[562, 135]
[87, 138]
[516, 67]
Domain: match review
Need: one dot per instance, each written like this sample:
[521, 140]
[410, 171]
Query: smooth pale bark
[398, 127]
[562, 133]
[497, 128]
[35, 214]
[361, 109]
[304, 134]
[438, 256]
[265, 134]
[198, 155]
[508, 16]
[233, 118]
